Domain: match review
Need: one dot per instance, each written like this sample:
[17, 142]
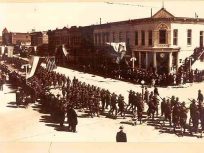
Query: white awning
[198, 65]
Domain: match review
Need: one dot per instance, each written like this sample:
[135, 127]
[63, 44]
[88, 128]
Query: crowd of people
[76, 95]
[149, 76]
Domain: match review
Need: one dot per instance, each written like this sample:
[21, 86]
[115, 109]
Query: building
[75, 38]
[39, 38]
[161, 42]
[15, 38]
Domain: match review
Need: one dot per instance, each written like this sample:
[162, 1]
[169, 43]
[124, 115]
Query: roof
[5, 30]
[163, 13]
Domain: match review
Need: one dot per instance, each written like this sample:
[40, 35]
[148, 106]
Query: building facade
[15, 38]
[75, 38]
[160, 42]
[39, 38]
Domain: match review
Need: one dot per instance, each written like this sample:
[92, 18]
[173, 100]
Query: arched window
[163, 34]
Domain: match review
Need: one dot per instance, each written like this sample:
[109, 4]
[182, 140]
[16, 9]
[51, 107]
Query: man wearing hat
[121, 136]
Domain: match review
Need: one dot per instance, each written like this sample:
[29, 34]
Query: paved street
[32, 125]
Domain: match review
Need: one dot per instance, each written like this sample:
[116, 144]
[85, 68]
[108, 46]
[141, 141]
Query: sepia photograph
[108, 76]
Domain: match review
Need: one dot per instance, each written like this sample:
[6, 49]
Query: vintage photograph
[102, 72]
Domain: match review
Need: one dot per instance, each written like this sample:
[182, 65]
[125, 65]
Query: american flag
[50, 64]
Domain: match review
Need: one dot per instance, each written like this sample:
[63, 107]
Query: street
[32, 125]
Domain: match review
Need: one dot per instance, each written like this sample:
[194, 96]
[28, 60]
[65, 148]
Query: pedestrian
[121, 136]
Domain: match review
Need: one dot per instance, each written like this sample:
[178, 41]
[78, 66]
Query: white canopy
[198, 65]
[118, 47]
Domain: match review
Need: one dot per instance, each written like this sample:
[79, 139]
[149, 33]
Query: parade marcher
[152, 108]
[130, 99]
[121, 106]
[1, 83]
[194, 115]
[156, 104]
[183, 117]
[72, 118]
[146, 95]
[108, 98]
[176, 115]
[202, 116]
[163, 106]
[103, 100]
[200, 97]
[168, 111]
[121, 136]
[140, 108]
[61, 112]
[156, 92]
[113, 104]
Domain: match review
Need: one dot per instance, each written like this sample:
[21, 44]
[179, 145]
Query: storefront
[162, 60]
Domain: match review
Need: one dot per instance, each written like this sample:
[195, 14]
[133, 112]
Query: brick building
[15, 38]
[39, 38]
[75, 38]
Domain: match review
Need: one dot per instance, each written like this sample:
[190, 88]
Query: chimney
[100, 20]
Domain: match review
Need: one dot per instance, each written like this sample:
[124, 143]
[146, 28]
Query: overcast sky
[23, 17]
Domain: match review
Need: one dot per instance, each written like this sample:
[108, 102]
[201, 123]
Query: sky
[23, 17]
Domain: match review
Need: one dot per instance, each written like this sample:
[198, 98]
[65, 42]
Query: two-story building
[75, 38]
[161, 41]
[15, 38]
[39, 38]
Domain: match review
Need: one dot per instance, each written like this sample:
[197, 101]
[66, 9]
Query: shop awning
[198, 65]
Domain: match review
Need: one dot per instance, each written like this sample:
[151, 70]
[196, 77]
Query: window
[162, 36]
[143, 38]
[150, 38]
[201, 38]
[99, 38]
[95, 38]
[107, 37]
[113, 36]
[127, 38]
[189, 36]
[175, 37]
[136, 38]
[120, 36]
[103, 38]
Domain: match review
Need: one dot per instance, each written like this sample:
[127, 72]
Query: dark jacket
[121, 137]
[72, 116]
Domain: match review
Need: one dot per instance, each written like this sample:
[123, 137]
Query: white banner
[2, 50]
[118, 47]
[198, 65]
[10, 51]
[64, 50]
[34, 66]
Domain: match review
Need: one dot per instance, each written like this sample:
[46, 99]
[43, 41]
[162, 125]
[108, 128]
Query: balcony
[163, 45]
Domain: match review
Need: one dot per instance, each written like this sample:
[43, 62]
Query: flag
[118, 47]
[34, 63]
[51, 65]
[64, 51]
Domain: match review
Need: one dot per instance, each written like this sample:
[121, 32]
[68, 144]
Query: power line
[112, 3]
